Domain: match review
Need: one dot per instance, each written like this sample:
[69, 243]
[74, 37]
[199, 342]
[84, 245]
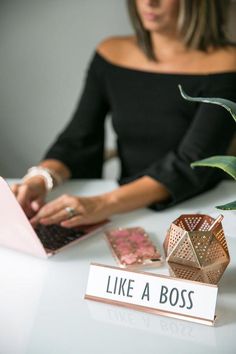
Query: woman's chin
[153, 27]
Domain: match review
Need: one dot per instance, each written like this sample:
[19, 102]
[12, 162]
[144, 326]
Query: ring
[70, 212]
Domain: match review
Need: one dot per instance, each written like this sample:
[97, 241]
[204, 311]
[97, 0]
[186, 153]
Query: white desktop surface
[42, 306]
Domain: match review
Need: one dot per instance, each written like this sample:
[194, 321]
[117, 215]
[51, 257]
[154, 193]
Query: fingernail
[35, 206]
[64, 223]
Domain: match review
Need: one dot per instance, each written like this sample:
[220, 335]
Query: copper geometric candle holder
[193, 252]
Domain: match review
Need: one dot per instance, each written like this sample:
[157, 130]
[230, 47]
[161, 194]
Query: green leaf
[227, 104]
[225, 163]
[228, 206]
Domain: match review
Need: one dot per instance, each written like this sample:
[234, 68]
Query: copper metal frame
[192, 252]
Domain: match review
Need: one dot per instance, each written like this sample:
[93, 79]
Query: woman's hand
[71, 211]
[30, 195]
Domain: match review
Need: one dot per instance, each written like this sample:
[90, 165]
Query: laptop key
[54, 237]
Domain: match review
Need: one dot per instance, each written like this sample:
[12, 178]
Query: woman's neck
[167, 47]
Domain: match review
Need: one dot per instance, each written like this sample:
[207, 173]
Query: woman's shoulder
[223, 59]
[117, 49]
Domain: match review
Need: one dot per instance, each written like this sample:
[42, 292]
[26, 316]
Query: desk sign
[148, 292]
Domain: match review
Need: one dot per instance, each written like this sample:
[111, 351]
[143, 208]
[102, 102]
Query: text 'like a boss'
[124, 287]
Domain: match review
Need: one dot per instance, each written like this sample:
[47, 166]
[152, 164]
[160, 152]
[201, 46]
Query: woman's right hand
[30, 194]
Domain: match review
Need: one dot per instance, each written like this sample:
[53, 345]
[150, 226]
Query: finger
[23, 196]
[37, 204]
[14, 188]
[62, 215]
[50, 209]
[75, 221]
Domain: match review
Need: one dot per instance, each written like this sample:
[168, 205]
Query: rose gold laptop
[17, 233]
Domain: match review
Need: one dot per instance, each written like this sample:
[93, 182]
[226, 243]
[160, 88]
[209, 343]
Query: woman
[158, 133]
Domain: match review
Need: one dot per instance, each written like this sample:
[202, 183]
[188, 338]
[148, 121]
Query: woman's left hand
[71, 211]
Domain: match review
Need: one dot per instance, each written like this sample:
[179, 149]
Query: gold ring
[70, 212]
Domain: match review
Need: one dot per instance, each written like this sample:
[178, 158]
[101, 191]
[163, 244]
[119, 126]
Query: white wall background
[45, 46]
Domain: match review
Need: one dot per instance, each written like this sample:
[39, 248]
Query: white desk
[42, 306]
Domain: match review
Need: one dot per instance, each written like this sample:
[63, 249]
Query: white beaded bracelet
[43, 172]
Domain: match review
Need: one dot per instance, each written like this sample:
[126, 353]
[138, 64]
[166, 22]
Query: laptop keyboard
[56, 236]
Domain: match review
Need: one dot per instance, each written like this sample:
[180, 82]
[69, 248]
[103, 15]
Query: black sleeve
[80, 145]
[210, 133]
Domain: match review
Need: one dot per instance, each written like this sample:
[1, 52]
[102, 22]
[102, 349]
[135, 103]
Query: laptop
[17, 233]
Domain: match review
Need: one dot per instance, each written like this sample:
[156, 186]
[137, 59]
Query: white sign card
[148, 292]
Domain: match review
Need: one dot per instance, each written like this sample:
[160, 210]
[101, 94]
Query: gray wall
[45, 46]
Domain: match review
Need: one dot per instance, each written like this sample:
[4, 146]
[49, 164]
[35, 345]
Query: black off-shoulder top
[158, 133]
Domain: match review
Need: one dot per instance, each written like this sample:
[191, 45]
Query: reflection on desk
[162, 326]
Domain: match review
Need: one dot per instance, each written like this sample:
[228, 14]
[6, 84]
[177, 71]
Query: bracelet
[47, 175]
[56, 177]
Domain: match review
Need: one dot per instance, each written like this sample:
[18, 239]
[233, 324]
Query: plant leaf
[228, 206]
[225, 163]
[227, 104]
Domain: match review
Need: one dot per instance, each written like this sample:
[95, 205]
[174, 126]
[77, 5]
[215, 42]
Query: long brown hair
[201, 24]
